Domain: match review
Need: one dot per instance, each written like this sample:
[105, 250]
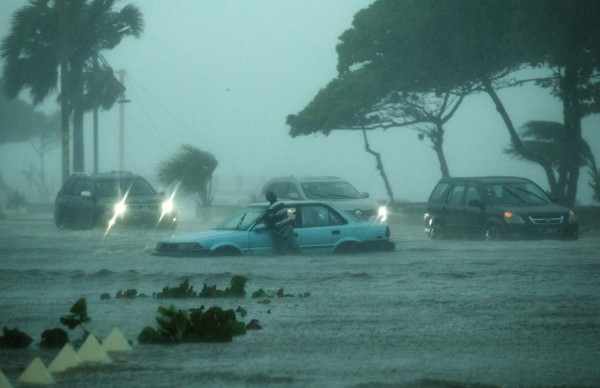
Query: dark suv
[89, 200]
[496, 208]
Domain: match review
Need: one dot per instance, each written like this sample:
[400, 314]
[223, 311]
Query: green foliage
[236, 289]
[54, 338]
[31, 54]
[127, 294]
[193, 325]
[184, 290]
[14, 339]
[190, 170]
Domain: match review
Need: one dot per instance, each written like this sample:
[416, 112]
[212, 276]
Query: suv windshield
[241, 219]
[515, 194]
[330, 190]
[117, 187]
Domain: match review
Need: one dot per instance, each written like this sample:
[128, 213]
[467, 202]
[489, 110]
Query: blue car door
[318, 228]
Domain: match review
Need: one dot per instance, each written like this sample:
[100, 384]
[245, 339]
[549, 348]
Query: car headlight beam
[167, 206]
[382, 213]
[120, 208]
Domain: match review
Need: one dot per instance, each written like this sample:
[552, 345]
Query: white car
[327, 188]
[319, 227]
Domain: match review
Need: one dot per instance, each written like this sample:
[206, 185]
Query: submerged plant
[236, 288]
[183, 291]
[14, 339]
[54, 338]
[193, 325]
[77, 317]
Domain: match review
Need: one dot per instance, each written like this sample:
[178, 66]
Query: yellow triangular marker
[36, 373]
[91, 351]
[116, 342]
[4, 383]
[65, 359]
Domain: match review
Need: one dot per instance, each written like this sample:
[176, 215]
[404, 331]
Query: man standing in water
[277, 219]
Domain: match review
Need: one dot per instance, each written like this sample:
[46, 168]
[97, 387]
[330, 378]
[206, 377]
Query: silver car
[327, 188]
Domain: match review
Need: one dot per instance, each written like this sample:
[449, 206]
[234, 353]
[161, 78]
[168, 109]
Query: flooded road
[442, 313]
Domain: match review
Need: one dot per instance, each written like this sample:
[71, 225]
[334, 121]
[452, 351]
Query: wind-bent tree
[189, 171]
[385, 65]
[448, 44]
[546, 138]
[31, 51]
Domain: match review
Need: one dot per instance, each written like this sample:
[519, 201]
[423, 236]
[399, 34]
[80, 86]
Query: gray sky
[223, 75]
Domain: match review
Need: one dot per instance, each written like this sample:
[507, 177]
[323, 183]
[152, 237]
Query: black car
[89, 200]
[496, 208]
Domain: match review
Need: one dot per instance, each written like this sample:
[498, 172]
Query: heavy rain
[207, 101]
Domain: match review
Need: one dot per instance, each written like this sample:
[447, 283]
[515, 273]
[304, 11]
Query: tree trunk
[77, 104]
[437, 138]
[572, 125]
[95, 139]
[516, 140]
[379, 167]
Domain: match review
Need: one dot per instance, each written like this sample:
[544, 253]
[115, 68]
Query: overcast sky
[223, 75]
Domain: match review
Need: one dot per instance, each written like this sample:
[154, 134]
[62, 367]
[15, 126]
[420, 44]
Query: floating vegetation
[127, 294]
[277, 294]
[236, 289]
[183, 291]
[54, 338]
[192, 325]
[14, 339]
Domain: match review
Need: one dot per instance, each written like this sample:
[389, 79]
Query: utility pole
[64, 89]
[122, 103]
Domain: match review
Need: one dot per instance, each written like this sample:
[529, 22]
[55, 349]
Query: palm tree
[546, 139]
[190, 170]
[32, 56]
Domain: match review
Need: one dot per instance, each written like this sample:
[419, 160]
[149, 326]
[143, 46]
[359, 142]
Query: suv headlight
[167, 206]
[512, 218]
[572, 217]
[120, 208]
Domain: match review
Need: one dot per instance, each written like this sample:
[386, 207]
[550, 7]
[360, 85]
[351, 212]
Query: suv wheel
[493, 232]
[436, 232]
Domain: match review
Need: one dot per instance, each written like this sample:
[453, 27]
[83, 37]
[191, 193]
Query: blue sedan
[319, 227]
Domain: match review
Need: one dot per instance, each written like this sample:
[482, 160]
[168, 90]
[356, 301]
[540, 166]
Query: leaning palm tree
[31, 51]
[191, 171]
[546, 138]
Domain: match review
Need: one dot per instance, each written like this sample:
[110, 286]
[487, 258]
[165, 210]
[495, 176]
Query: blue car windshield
[241, 219]
[515, 194]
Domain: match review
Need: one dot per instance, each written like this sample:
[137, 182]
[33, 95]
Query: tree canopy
[190, 170]
[399, 48]
[32, 54]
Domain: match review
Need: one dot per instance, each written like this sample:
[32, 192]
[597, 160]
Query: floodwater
[430, 314]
